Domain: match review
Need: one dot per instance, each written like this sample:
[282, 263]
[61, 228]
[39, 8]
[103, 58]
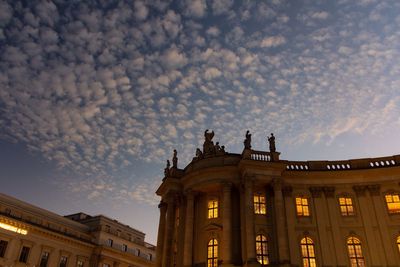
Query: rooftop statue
[175, 160]
[166, 170]
[271, 141]
[208, 146]
[247, 141]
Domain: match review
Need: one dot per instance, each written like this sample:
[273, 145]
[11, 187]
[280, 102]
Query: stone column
[383, 233]
[161, 232]
[226, 224]
[291, 224]
[280, 220]
[189, 221]
[365, 210]
[169, 231]
[322, 226]
[249, 221]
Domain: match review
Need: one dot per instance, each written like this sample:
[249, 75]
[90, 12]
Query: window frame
[212, 258]
[309, 247]
[45, 264]
[356, 248]
[260, 207]
[61, 262]
[398, 243]
[213, 209]
[302, 213]
[346, 212]
[262, 254]
[389, 210]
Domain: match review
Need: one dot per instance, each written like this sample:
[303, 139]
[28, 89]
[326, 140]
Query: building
[253, 209]
[31, 236]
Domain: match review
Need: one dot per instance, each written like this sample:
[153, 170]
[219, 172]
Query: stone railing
[260, 155]
[342, 165]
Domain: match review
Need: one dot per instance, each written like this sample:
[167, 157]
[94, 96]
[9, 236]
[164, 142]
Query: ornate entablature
[254, 209]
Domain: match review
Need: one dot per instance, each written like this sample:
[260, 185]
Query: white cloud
[196, 8]
[273, 41]
[322, 15]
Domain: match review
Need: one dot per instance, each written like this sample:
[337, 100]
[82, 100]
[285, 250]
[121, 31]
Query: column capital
[316, 191]
[359, 190]
[374, 189]
[287, 190]
[329, 191]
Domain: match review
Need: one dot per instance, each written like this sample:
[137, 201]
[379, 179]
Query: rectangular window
[110, 242]
[259, 204]
[63, 261]
[346, 206]
[44, 259]
[393, 203]
[23, 257]
[80, 263]
[106, 265]
[213, 209]
[302, 208]
[124, 248]
[3, 248]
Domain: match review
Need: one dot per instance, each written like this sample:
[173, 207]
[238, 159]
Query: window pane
[3, 248]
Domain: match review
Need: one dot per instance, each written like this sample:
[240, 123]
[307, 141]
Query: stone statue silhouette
[175, 160]
[166, 170]
[271, 141]
[208, 146]
[247, 141]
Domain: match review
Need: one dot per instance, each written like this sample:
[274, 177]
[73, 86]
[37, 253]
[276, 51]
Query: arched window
[355, 252]
[262, 249]
[398, 243]
[308, 252]
[212, 253]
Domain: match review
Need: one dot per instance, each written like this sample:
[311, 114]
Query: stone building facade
[253, 209]
[34, 237]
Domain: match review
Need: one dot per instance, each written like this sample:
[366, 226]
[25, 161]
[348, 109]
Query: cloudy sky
[95, 95]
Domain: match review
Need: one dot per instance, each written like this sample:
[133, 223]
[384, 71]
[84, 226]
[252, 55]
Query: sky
[95, 95]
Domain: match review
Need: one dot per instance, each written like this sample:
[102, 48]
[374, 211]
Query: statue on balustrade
[166, 170]
[247, 141]
[208, 146]
[271, 141]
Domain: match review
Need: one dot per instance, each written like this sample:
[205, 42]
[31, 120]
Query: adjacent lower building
[252, 209]
[34, 237]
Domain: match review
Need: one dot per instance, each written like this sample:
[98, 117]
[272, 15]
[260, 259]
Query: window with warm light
[259, 204]
[262, 249]
[346, 206]
[212, 253]
[393, 202]
[308, 252]
[302, 208]
[355, 252]
[213, 208]
[398, 243]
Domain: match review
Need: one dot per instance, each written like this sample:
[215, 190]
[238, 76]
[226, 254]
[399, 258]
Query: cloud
[272, 41]
[221, 6]
[196, 8]
[322, 15]
[174, 58]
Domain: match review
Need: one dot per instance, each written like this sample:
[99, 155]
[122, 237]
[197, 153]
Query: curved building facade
[253, 209]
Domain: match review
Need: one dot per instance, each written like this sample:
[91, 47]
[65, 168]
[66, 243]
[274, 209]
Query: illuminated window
[346, 206]
[80, 263]
[212, 253]
[355, 252]
[44, 259]
[302, 206]
[63, 261]
[213, 209]
[308, 252]
[3, 248]
[23, 257]
[398, 243]
[259, 204]
[262, 249]
[393, 202]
